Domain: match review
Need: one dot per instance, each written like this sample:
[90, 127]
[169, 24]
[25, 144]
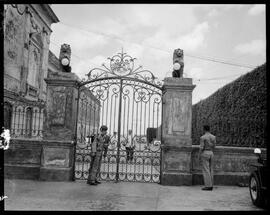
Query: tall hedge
[236, 112]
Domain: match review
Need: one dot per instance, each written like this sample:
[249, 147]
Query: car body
[258, 181]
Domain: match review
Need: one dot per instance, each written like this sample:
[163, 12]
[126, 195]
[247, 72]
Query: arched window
[28, 124]
[7, 115]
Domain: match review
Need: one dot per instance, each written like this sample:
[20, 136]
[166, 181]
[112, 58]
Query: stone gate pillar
[176, 132]
[62, 92]
[58, 151]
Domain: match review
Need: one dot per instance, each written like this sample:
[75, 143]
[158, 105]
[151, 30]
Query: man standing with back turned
[207, 145]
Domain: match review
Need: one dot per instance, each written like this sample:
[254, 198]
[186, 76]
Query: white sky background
[233, 33]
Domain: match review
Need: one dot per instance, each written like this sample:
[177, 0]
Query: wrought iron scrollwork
[122, 65]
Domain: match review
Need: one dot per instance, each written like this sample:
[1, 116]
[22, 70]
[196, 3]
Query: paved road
[109, 196]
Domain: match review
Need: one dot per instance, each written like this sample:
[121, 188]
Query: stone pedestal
[58, 157]
[176, 132]
[57, 161]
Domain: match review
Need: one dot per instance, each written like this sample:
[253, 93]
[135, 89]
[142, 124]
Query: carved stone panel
[175, 160]
[59, 108]
[13, 36]
[55, 157]
[177, 109]
[178, 113]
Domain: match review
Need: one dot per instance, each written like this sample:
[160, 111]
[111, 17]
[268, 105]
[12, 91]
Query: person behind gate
[207, 145]
[129, 146]
[99, 145]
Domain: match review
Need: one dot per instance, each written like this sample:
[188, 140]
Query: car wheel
[255, 190]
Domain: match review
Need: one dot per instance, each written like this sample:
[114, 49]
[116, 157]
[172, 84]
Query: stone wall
[22, 159]
[231, 165]
[53, 160]
[39, 160]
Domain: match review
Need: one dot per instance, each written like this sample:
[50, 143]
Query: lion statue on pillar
[178, 63]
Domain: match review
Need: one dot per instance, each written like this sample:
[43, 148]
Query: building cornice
[41, 18]
[49, 10]
[179, 88]
[62, 82]
[178, 84]
[16, 98]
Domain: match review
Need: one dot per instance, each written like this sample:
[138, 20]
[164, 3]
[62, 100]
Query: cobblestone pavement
[110, 196]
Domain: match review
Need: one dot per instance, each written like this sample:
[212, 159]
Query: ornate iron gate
[129, 102]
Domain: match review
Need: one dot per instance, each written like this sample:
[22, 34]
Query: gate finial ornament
[64, 57]
[178, 63]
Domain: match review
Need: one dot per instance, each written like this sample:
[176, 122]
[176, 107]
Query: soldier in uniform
[99, 145]
[207, 145]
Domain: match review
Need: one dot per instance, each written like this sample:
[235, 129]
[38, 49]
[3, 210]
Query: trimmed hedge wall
[236, 113]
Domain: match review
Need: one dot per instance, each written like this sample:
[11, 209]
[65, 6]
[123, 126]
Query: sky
[230, 33]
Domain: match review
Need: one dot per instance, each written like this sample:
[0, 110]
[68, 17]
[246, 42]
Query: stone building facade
[40, 98]
[27, 30]
[27, 62]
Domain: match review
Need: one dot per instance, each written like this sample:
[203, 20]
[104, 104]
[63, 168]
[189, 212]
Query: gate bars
[128, 101]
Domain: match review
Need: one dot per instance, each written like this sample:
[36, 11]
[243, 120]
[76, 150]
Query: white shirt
[129, 141]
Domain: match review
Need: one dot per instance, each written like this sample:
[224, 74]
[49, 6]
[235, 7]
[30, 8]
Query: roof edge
[49, 10]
